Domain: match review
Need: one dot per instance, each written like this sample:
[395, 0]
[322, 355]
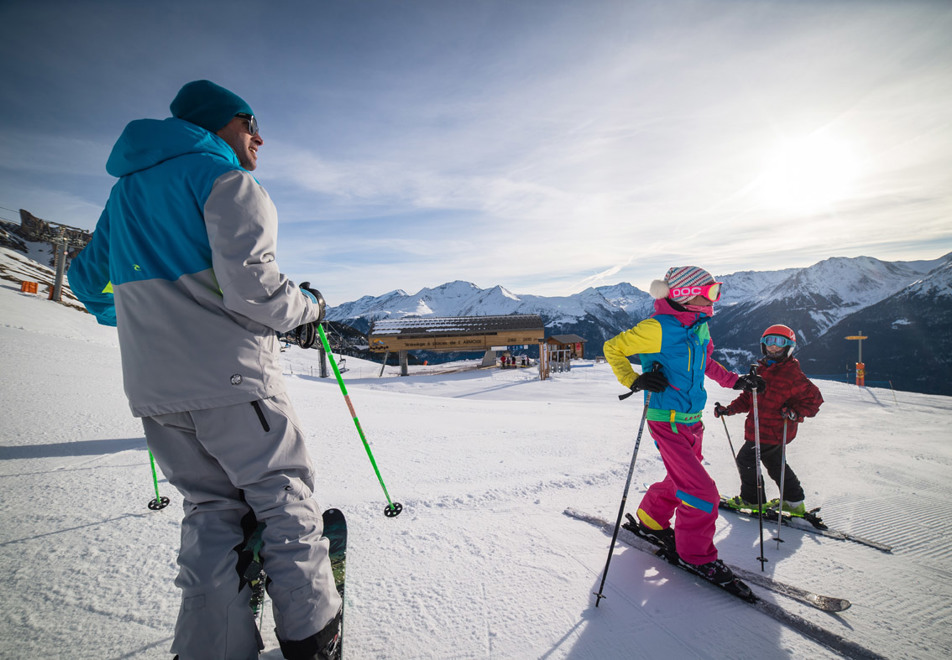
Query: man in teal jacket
[182, 261]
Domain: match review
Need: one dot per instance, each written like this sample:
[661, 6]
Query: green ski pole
[159, 502]
[393, 508]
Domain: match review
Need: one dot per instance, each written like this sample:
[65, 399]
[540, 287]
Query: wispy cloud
[542, 146]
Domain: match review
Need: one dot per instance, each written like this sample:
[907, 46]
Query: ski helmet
[778, 335]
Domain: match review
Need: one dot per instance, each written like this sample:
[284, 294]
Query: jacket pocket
[261, 417]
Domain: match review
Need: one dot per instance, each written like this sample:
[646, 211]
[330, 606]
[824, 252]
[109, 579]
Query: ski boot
[721, 575]
[739, 503]
[322, 645]
[713, 571]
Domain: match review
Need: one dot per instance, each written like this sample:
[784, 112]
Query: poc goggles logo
[710, 291]
[686, 291]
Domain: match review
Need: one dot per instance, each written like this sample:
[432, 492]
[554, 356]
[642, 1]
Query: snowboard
[335, 531]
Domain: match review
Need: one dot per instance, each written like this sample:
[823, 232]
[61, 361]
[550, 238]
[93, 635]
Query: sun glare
[808, 175]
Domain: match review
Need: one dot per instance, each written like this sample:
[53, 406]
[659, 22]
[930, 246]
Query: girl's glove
[653, 381]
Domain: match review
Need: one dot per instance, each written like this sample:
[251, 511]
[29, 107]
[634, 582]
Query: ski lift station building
[574, 344]
[454, 334]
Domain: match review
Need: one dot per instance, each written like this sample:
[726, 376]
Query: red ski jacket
[787, 387]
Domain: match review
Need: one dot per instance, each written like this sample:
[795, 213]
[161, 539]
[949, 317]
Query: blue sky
[545, 146]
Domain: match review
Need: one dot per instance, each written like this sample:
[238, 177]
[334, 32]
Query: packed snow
[482, 563]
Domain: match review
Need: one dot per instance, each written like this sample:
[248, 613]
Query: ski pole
[733, 453]
[159, 502]
[624, 497]
[393, 508]
[760, 483]
[783, 473]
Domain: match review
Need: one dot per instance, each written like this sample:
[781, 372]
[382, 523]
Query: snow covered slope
[481, 563]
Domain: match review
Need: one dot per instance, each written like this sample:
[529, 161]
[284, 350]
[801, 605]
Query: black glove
[306, 334]
[315, 297]
[791, 414]
[653, 381]
[751, 382]
[720, 411]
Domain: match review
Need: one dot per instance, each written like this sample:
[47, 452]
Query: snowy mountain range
[904, 307]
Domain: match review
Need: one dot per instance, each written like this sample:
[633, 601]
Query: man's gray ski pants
[225, 462]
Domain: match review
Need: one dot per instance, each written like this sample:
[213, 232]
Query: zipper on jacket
[691, 335]
[261, 417]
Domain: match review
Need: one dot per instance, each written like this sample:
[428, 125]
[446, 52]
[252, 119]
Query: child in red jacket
[790, 397]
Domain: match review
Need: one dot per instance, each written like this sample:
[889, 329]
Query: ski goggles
[710, 291]
[252, 122]
[777, 340]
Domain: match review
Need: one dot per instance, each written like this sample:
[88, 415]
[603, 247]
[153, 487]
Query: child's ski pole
[760, 483]
[624, 497]
[733, 453]
[783, 473]
[393, 508]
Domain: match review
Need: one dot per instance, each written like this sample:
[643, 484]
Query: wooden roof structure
[566, 339]
[457, 333]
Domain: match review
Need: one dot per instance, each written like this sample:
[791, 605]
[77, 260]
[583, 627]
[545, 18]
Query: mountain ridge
[825, 297]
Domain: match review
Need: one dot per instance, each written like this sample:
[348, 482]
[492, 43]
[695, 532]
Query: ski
[810, 523]
[335, 531]
[252, 574]
[824, 603]
[827, 638]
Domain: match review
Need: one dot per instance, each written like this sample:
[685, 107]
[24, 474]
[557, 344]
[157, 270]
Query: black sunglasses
[252, 122]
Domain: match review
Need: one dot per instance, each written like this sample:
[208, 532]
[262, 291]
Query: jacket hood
[687, 319]
[145, 143]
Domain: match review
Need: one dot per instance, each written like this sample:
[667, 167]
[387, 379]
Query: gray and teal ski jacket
[182, 261]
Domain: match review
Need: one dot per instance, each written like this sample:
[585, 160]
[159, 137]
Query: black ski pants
[771, 457]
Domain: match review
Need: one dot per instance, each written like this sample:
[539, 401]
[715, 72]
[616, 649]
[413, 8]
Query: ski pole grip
[622, 397]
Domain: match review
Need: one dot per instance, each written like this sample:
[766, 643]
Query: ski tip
[830, 604]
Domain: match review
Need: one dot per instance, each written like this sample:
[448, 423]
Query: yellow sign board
[857, 337]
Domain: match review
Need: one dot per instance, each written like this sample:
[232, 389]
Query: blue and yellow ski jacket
[680, 342]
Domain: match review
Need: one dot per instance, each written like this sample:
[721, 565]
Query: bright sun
[808, 175]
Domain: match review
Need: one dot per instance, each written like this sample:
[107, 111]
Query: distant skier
[676, 337]
[790, 397]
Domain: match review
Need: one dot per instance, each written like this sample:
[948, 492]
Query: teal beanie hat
[208, 105]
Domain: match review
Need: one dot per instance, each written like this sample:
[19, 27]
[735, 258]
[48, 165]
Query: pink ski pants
[687, 490]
